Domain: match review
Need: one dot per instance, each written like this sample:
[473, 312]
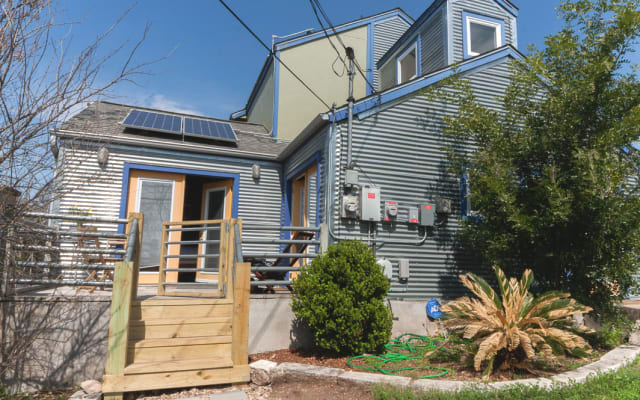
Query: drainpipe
[351, 73]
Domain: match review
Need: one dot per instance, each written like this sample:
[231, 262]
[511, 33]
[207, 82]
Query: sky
[208, 63]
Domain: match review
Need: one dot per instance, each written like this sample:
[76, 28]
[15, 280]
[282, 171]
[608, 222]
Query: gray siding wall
[88, 186]
[385, 35]
[400, 150]
[483, 7]
[434, 43]
[315, 145]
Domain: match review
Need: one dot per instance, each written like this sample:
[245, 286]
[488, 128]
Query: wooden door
[217, 202]
[160, 197]
[300, 190]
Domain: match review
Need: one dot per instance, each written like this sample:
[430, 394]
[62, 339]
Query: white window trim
[405, 53]
[498, 26]
[138, 196]
[207, 199]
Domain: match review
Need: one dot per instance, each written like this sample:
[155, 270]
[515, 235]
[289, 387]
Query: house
[283, 158]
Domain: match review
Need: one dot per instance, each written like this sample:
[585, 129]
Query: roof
[102, 121]
[313, 35]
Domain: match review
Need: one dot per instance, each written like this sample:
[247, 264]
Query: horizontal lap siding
[400, 150]
[483, 7]
[89, 186]
[432, 38]
[385, 35]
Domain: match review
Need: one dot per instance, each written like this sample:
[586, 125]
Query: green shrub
[340, 297]
[614, 330]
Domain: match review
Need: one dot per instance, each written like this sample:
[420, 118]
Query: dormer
[448, 32]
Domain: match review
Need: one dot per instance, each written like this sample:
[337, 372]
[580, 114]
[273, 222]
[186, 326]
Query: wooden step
[181, 365]
[179, 328]
[190, 341]
[161, 310]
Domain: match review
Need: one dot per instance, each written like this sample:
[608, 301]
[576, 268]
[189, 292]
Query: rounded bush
[340, 296]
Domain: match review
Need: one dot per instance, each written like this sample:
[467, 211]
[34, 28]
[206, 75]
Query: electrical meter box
[403, 269]
[387, 268]
[349, 206]
[370, 203]
[427, 215]
[413, 215]
[351, 177]
[390, 210]
[443, 206]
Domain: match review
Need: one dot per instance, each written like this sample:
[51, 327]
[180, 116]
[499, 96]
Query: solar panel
[209, 129]
[153, 121]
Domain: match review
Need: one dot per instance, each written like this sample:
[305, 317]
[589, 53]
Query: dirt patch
[303, 357]
[318, 389]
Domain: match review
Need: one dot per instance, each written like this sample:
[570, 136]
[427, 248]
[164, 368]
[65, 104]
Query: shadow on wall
[48, 344]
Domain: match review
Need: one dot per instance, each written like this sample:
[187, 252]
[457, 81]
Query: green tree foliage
[550, 176]
[340, 295]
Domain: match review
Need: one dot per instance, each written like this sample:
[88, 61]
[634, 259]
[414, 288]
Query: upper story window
[482, 34]
[407, 64]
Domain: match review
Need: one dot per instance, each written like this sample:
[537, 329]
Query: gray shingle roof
[102, 119]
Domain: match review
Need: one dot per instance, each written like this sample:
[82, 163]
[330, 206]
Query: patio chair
[91, 242]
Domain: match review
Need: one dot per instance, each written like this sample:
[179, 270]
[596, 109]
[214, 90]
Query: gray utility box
[413, 215]
[427, 214]
[403, 269]
[370, 203]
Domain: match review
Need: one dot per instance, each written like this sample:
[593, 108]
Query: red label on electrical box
[372, 195]
[414, 221]
[391, 203]
[428, 207]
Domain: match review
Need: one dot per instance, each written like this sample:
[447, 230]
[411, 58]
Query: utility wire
[316, 4]
[270, 50]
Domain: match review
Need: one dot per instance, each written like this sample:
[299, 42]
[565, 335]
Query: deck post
[324, 238]
[240, 325]
[137, 251]
[119, 322]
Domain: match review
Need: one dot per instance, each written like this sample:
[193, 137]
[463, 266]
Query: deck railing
[40, 254]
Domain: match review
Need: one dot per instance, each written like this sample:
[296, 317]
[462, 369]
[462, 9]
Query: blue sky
[211, 62]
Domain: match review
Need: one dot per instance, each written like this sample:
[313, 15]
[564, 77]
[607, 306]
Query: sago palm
[516, 326]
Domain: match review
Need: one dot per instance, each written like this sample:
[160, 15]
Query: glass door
[216, 205]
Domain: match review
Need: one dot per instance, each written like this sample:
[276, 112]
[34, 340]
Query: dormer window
[482, 34]
[407, 64]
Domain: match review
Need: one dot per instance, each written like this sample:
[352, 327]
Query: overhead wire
[270, 50]
[316, 4]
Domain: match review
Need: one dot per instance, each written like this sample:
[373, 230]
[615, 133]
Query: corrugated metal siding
[388, 75]
[400, 150]
[433, 40]
[91, 187]
[483, 7]
[385, 35]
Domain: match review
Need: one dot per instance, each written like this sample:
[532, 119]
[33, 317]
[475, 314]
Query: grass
[623, 384]
[44, 395]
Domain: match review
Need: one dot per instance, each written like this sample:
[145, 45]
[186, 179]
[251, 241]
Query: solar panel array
[167, 123]
[153, 121]
[210, 129]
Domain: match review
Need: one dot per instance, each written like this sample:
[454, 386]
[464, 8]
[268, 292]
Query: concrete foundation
[60, 342]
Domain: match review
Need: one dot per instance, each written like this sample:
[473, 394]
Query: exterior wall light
[103, 157]
[53, 146]
[255, 171]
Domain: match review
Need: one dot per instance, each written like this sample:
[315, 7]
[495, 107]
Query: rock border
[264, 372]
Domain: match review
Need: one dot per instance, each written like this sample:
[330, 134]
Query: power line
[274, 55]
[316, 3]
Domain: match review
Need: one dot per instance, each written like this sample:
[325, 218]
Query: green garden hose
[407, 346]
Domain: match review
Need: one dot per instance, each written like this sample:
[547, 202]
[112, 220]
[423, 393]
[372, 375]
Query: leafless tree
[41, 84]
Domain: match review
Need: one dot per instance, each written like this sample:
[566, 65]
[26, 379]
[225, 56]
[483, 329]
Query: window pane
[483, 38]
[155, 204]
[408, 67]
[215, 211]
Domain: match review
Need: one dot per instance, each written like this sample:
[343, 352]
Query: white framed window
[407, 64]
[482, 35]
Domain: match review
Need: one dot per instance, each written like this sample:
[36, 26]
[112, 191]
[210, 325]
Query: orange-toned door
[300, 206]
[160, 197]
[217, 202]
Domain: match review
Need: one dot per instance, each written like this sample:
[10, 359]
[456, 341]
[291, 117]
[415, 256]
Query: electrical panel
[403, 269]
[370, 203]
[349, 206]
[443, 206]
[390, 210]
[427, 215]
[413, 215]
[387, 268]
